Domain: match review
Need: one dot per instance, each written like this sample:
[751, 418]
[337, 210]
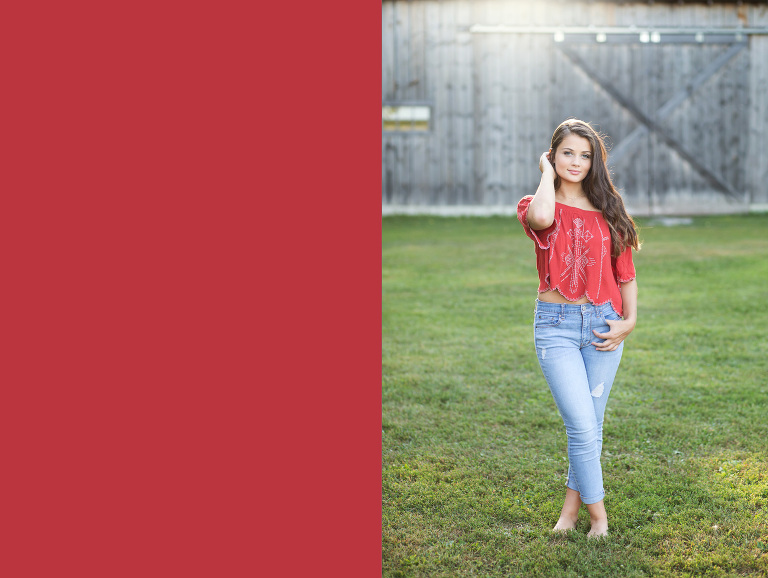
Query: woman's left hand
[620, 329]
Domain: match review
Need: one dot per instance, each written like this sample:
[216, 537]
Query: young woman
[587, 302]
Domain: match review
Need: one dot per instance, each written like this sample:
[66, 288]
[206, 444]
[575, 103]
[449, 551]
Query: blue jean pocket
[543, 319]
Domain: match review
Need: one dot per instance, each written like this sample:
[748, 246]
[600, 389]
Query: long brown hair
[599, 187]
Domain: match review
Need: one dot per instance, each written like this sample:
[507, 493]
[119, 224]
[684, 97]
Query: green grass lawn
[474, 451]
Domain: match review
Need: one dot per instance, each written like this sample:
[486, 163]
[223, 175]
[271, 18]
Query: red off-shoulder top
[573, 255]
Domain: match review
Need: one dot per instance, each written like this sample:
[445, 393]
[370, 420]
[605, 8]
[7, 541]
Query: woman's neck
[570, 191]
[574, 196]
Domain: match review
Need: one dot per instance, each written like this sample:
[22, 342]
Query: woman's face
[573, 158]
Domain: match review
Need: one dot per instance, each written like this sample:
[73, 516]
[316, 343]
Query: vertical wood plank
[757, 159]
[388, 43]
[389, 150]
[413, 91]
[507, 64]
[434, 67]
[417, 81]
[402, 49]
[499, 113]
[464, 104]
[445, 102]
[524, 113]
[487, 93]
[541, 125]
[481, 94]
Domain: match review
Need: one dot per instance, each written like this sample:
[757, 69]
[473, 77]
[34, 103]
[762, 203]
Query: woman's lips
[574, 172]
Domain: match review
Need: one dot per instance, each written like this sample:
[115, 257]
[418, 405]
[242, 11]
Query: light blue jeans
[580, 379]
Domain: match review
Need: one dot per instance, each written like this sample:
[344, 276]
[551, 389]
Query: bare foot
[599, 529]
[565, 523]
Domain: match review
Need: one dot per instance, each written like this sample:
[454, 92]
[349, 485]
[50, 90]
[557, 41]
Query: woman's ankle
[599, 527]
[566, 523]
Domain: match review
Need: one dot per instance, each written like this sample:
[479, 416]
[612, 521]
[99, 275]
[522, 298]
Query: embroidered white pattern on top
[551, 242]
[576, 259]
[603, 252]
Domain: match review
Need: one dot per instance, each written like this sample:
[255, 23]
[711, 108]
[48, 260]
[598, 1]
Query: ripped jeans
[580, 379]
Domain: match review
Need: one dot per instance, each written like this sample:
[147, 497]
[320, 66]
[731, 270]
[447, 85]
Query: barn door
[676, 113]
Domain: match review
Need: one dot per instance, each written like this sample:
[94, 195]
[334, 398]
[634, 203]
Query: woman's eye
[586, 157]
[567, 153]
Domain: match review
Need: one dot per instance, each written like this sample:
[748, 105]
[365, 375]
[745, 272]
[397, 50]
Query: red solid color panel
[191, 299]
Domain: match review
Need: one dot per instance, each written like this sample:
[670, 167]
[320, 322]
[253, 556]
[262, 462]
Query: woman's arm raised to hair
[541, 211]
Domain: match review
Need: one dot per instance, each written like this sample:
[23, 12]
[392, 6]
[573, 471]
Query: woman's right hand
[545, 165]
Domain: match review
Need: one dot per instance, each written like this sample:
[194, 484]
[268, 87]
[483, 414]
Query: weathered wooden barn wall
[496, 99]
[757, 144]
